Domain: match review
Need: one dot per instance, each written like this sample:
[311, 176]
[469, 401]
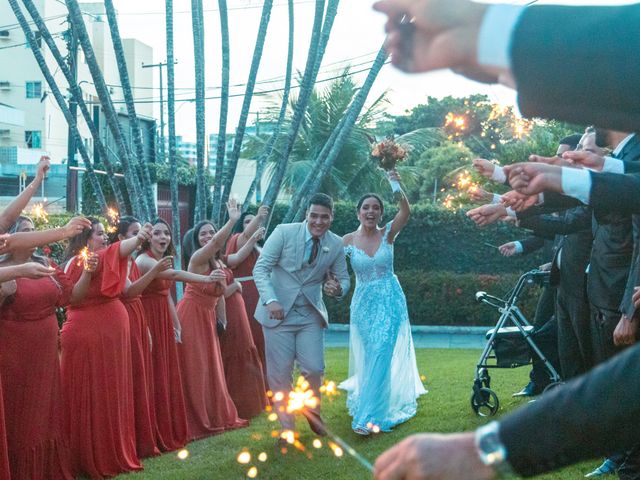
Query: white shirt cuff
[496, 199]
[518, 245]
[494, 39]
[576, 183]
[511, 212]
[498, 174]
[613, 165]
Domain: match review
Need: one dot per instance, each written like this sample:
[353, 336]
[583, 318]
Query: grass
[446, 408]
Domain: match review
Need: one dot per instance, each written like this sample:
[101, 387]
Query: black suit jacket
[556, 78]
[590, 416]
[613, 244]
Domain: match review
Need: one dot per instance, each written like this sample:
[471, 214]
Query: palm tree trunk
[173, 160]
[230, 171]
[326, 159]
[198, 50]
[142, 167]
[306, 88]
[132, 181]
[95, 184]
[77, 97]
[224, 109]
[266, 153]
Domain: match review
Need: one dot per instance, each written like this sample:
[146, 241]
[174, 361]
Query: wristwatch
[491, 450]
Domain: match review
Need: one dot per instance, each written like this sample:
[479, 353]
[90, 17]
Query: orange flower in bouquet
[388, 153]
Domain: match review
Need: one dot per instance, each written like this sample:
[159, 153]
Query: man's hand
[275, 311]
[636, 297]
[331, 285]
[518, 201]
[508, 249]
[487, 214]
[585, 159]
[426, 35]
[556, 160]
[484, 167]
[480, 195]
[625, 332]
[433, 457]
[533, 178]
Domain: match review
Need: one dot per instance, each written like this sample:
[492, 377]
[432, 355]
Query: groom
[295, 261]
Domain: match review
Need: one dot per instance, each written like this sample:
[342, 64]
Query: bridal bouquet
[388, 153]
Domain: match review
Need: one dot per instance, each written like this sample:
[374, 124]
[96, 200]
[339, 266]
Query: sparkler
[113, 215]
[83, 257]
[183, 454]
[38, 212]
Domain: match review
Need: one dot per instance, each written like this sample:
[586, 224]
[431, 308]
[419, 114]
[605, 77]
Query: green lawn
[449, 377]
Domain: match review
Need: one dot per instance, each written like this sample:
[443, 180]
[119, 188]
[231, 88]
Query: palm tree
[224, 108]
[230, 171]
[142, 167]
[198, 51]
[173, 158]
[95, 184]
[132, 181]
[328, 155]
[306, 88]
[268, 149]
[77, 97]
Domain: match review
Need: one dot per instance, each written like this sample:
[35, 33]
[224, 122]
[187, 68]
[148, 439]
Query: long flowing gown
[383, 383]
[210, 409]
[142, 376]
[250, 296]
[4, 456]
[30, 369]
[168, 401]
[96, 372]
[242, 366]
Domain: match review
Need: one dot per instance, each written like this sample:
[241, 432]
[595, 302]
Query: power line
[14, 26]
[208, 10]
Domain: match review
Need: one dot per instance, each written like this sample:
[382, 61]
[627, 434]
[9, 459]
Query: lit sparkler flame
[113, 215]
[252, 473]
[244, 457]
[83, 257]
[38, 212]
[183, 454]
[262, 457]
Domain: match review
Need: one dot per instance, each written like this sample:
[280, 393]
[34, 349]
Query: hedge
[445, 298]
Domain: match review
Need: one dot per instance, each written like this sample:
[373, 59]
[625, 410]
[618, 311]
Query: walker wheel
[484, 402]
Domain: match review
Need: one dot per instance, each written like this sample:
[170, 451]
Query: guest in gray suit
[298, 262]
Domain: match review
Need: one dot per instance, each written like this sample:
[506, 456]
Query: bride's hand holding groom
[331, 285]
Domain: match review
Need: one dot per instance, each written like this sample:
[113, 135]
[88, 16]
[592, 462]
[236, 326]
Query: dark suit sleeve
[588, 417]
[631, 166]
[614, 192]
[531, 244]
[572, 221]
[549, 61]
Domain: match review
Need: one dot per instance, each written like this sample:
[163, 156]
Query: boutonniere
[325, 249]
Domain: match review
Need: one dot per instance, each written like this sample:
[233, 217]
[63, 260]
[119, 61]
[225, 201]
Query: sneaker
[608, 467]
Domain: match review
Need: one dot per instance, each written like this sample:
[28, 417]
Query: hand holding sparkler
[39, 213]
[584, 159]
[487, 214]
[556, 160]
[518, 201]
[75, 226]
[88, 260]
[480, 195]
[263, 212]
[532, 178]
[43, 167]
[144, 235]
[484, 167]
[258, 235]
[165, 263]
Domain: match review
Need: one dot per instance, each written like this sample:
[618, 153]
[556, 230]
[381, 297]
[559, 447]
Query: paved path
[423, 336]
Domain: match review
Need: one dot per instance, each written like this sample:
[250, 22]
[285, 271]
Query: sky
[356, 37]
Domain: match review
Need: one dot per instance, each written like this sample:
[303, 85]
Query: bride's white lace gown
[383, 382]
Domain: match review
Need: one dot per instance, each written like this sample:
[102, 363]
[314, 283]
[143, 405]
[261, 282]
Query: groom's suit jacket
[279, 272]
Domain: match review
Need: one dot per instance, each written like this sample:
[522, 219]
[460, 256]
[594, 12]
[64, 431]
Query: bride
[383, 382]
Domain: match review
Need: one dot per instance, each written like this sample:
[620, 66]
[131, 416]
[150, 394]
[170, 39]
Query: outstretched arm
[235, 259]
[10, 214]
[404, 212]
[200, 259]
[254, 225]
[26, 240]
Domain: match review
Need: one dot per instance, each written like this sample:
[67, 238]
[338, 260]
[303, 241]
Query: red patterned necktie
[314, 249]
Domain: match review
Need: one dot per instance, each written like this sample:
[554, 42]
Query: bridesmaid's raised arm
[404, 212]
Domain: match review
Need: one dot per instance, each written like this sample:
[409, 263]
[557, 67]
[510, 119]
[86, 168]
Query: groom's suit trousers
[299, 338]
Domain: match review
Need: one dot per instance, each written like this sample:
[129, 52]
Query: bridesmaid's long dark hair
[15, 228]
[123, 227]
[190, 243]
[80, 241]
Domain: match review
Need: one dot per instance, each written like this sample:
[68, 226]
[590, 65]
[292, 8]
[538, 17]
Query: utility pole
[72, 164]
[160, 66]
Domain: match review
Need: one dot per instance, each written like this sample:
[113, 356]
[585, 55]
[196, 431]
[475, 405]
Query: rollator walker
[509, 344]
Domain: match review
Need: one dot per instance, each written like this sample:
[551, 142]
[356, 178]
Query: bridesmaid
[144, 414]
[210, 408]
[32, 393]
[168, 400]
[242, 366]
[243, 272]
[96, 359]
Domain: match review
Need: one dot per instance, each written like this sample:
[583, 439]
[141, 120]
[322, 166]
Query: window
[33, 138]
[34, 89]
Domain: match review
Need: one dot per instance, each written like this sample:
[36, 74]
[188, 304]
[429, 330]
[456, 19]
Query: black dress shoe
[315, 423]
[530, 390]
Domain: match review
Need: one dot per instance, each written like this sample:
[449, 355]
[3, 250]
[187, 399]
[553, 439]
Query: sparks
[244, 457]
[262, 457]
[113, 215]
[38, 212]
[317, 443]
[83, 257]
[252, 473]
[183, 454]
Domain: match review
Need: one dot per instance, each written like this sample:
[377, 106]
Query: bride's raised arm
[404, 212]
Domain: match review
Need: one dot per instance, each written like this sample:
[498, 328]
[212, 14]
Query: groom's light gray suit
[283, 274]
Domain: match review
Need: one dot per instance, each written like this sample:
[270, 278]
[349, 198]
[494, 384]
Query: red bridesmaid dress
[242, 366]
[250, 295]
[168, 402]
[30, 369]
[96, 372]
[4, 457]
[142, 376]
[210, 409]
